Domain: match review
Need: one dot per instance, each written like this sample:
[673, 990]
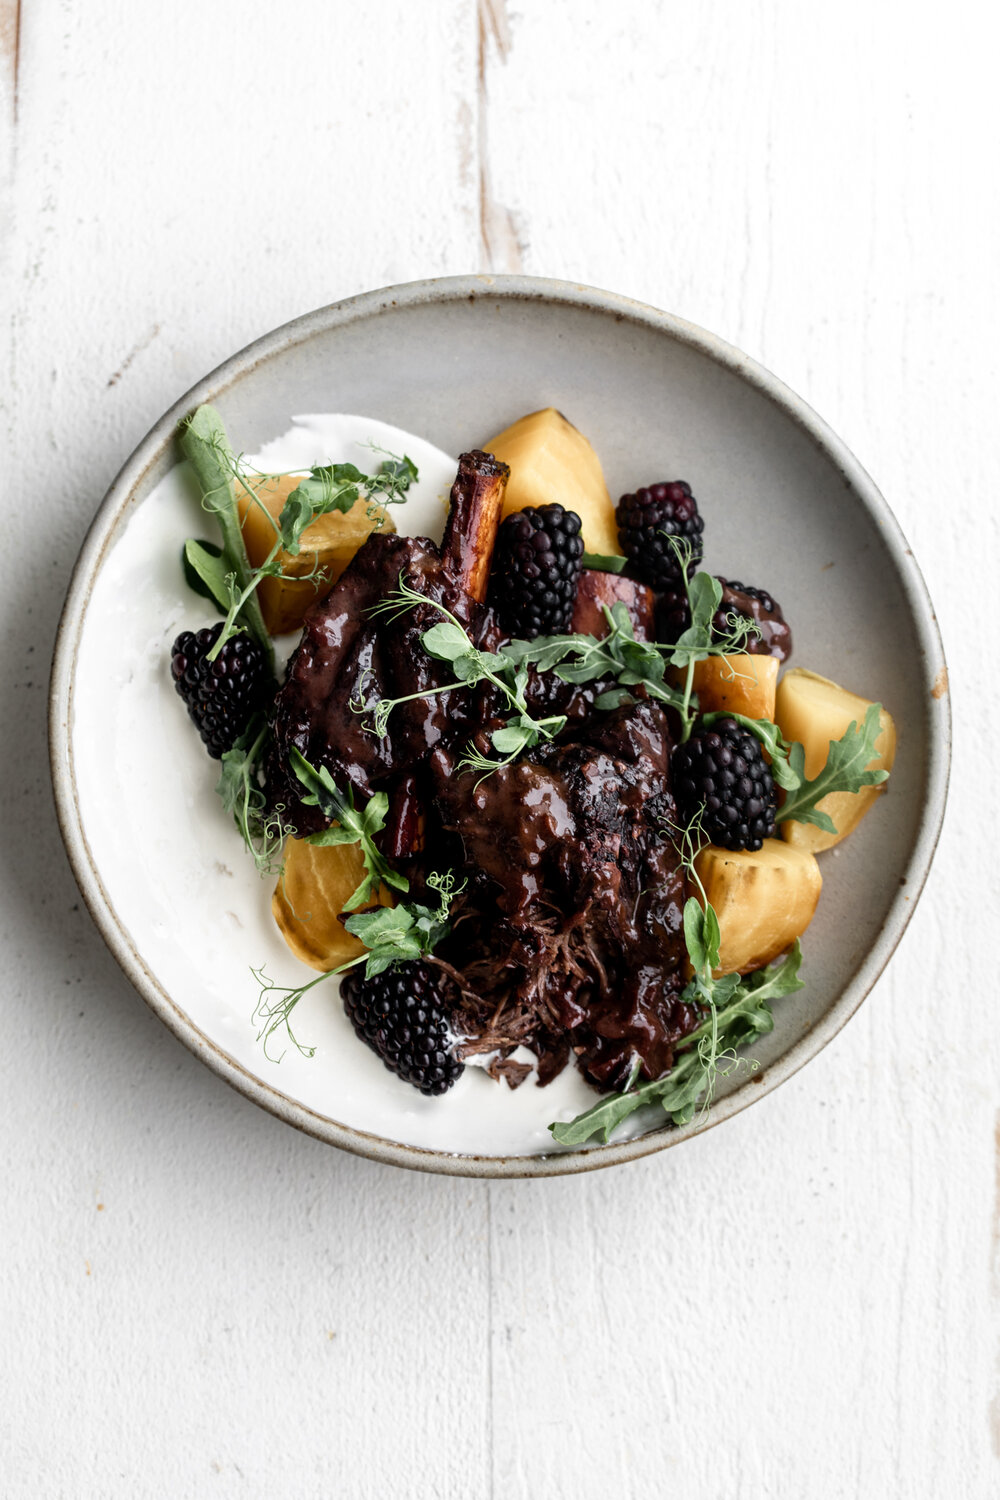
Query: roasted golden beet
[736, 684]
[814, 711]
[551, 463]
[327, 547]
[313, 886]
[764, 898]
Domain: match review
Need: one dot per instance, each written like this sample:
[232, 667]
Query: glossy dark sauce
[567, 937]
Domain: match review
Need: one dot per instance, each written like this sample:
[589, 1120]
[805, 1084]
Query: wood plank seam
[501, 247]
[10, 45]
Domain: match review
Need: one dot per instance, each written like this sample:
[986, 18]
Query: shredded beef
[567, 937]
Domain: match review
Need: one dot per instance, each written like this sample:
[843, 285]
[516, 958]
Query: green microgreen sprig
[741, 1015]
[262, 831]
[574, 658]
[350, 824]
[699, 640]
[737, 1012]
[228, 576]
[449, 641]
[391, 935]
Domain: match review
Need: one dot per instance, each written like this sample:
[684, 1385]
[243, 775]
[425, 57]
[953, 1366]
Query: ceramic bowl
[787, 507]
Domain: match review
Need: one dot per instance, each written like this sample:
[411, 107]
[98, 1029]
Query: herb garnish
[698, 641]
[396, 934]
[845, 769]
[391, 934]
[603, 562]
[741, 1014]
[449, 641]
[352, 825]
[228, 577]
[239, 787]
[205, 445]
[574, 659]
[738, 1013]
[586, 658]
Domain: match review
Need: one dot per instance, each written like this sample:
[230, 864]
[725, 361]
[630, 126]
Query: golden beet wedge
[737, 684]
[314, 885]
[814, 711]
[764, 900]
[327, 547]
[552, 463]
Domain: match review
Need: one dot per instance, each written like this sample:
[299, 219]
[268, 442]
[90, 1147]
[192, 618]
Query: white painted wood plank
[195, 1298]
[801, 1303]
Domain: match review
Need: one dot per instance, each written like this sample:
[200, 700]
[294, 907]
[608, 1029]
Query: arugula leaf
[742, 1015]
[846, 770]
[354, 825]
[773, 741]
[603, 563]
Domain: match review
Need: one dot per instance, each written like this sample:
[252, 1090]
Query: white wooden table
[195, 1299]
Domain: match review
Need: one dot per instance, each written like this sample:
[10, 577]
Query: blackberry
[723, 767]
[221, 696]
[645, 522]
[761, 595]
[536, 570]
[398, 1013]
[673, 616]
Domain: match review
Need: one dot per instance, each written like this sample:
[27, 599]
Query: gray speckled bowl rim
[94, 551]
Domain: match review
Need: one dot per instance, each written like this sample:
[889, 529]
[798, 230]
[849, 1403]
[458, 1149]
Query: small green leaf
[207, 571]
[705, 594]
[694, 933]
[711, 936]
[333, 836]
[604, 563]
[297, 513]
[398, 474]
[613, 699]
[511, 740]
[446, 642]
[384, 926]
[846, 770]
[780, 979]
[599, 1120]
[780, 751]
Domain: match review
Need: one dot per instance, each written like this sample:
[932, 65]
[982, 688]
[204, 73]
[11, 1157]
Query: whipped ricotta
[183, 888]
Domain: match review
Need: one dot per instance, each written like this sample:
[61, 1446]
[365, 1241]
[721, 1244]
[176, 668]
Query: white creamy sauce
[173, 866]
